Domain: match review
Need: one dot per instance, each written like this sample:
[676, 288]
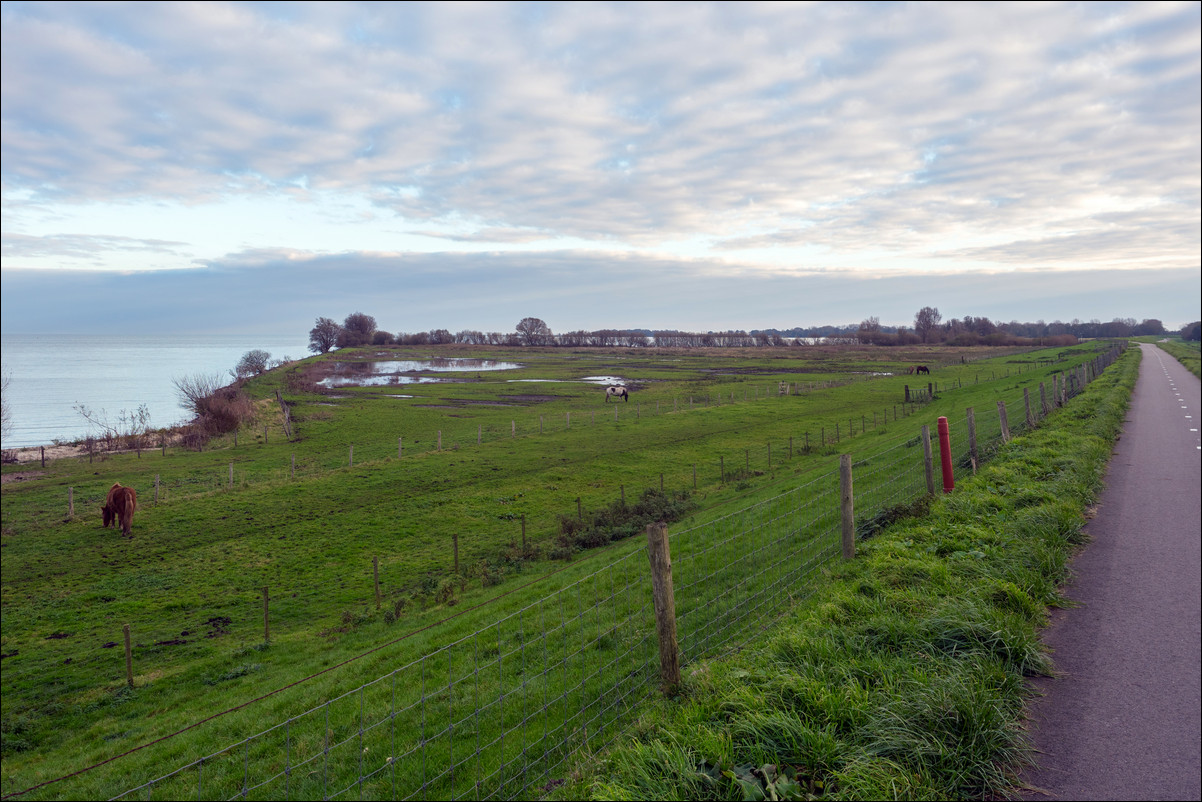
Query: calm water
[49, 374]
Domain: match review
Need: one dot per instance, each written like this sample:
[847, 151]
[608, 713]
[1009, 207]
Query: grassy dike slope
[903, 677]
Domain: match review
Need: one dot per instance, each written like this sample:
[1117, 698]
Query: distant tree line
[929, 327]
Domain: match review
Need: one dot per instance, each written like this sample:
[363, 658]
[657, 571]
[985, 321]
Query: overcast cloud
[668, 165]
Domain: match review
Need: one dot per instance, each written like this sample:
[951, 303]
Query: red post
[945, 457]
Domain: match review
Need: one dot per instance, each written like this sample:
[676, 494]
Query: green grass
[190, 581]
[1187, 353]
[903, 676]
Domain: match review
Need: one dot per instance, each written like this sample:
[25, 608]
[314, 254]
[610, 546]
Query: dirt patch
[531, 399]
[22, 476]
[34, 453]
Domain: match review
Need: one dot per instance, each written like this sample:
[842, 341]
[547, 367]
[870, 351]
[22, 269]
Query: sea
[50, 376]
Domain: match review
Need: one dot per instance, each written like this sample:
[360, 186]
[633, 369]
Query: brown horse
[922, 369]
[119, 507]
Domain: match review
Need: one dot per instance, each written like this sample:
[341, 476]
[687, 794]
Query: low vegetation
[525, 468]
[1184, 351]
[902, 677]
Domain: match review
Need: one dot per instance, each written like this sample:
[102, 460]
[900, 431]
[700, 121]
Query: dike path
[1121, 720]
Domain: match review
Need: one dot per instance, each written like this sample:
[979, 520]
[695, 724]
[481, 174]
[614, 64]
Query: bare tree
[324, 335]
[532, 331]
[6, 412]
[131, 426]
[195, 390]
[926, 321]
[252, 363]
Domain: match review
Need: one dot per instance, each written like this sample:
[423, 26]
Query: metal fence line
[564, 673]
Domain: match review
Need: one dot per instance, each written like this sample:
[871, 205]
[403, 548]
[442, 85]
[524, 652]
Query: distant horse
[119, 506]
[616, 391]
[922, 369]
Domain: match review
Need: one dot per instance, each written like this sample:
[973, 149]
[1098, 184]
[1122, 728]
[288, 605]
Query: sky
[249, 167]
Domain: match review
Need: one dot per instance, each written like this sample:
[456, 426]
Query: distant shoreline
[34, 453]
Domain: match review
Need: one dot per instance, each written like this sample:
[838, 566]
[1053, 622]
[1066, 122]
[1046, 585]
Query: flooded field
[406, 371]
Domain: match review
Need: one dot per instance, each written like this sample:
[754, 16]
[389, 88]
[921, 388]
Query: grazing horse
[119, 507]
[616, 391]
[922, 369]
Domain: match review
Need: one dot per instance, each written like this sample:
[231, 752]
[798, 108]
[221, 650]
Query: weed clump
[619, 521]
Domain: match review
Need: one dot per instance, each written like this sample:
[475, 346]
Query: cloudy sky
[247, 167]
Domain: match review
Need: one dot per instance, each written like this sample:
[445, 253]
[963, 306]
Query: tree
[926, 321]
[357, 329]
[195, 390]
[6, 412]
[1192, 331]
[1150, 326]
[324, 335]
[532, 331]
[252, 363]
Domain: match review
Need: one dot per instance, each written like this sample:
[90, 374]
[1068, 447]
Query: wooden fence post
[156, 488]
[1001, 413]
[665, 606]
[231, 484]
[972, 439]
[927, 461]
[1027, 404]
[293, 474]
[70, 502]
[351, 459]
[847, 507]
[1043, 399]
[455, 545]
[440, 434]
[266, 619]
[400, 447]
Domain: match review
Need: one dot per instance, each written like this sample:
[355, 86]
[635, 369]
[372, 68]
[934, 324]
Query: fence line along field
[451, 545]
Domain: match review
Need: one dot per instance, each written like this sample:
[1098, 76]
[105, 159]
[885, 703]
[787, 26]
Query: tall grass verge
[1185, 353]
[903, 677]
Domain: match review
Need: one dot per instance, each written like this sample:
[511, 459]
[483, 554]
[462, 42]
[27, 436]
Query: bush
[618, 521]
[216, 409]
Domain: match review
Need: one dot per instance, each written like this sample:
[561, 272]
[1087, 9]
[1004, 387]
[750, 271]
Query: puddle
[589, 379]
[405, 371]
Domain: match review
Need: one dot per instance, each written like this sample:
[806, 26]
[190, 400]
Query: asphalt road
[1122, 719]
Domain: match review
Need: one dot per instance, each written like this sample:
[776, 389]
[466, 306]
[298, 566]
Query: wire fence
[506, 710]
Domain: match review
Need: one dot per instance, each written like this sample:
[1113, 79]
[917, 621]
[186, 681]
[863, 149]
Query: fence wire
[503, 711]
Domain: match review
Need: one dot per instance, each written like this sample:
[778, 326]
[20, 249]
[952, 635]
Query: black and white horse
[616, 391]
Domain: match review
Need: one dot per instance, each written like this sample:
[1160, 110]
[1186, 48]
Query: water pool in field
[406, 371]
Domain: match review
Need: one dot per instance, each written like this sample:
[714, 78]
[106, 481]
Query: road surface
[1121, 719]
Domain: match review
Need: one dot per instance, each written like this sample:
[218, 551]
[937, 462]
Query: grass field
[904, 675]
[402, 481]
[1187, 353]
